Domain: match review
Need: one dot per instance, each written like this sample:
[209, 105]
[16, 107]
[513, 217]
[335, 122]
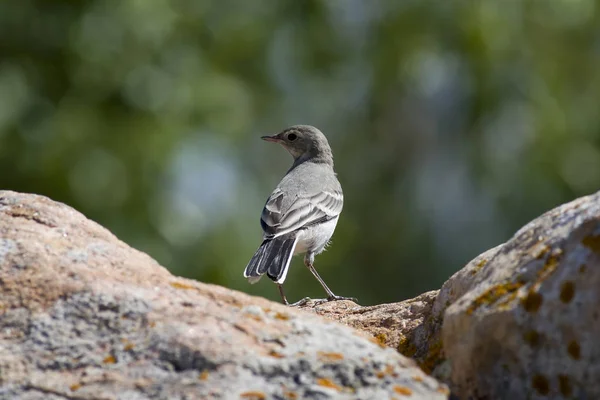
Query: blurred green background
[452, 123]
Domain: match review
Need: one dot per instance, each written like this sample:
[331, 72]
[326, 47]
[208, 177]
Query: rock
[528, 323]
[84, 316]
[414, 326]
[393, 325]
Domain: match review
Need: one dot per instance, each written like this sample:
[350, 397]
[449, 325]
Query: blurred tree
[452, 123]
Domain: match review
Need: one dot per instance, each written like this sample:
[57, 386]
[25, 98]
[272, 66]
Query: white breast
[315, 238]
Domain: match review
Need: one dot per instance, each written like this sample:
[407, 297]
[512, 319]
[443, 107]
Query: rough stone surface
[528, 325]
[393, 325]
[414, 326]
[83, 316]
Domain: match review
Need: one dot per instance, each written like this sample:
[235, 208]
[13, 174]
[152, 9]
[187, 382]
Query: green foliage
[452, 122]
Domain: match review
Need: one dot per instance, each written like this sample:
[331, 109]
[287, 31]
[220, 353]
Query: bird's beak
[273, 138]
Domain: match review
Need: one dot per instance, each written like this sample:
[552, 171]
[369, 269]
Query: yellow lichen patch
[550, 265]
[564, 385]
[180, 285]
[276, 354]
[493, 294]
[203, 375]
[110, 360]
[75, 386]
[329, 356]
[403, 390]
[540, 384]
[253, 395]
[574, 350]
[435, 355]
[417, 378]
[567, 291]
[381, 339]
[532, 302]
[532, 338]
[281, 316]
[592, 242]
[328, 383]
[543, 251]
[406, 348]
[479, 265]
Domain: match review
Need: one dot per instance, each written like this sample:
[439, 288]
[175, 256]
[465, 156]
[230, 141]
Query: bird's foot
[300, 303]
[338, 298]
[318, 302]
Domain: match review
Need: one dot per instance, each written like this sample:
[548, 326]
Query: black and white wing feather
[278, 219]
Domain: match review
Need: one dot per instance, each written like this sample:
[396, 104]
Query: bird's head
[303, 142]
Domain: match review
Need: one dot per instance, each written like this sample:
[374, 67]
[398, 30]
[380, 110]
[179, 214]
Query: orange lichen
[567, 291]
[281, 316]
[493, 294]
[290, 395]
[540, 384]
[532, 302]
[443, 390]
[254, 317]
[532, 338]
[75, 386]
[574, 350]
[564, 385]
[403, 390]
[254, 395]
[387, 371]
[276, 354]
[592, 242]
[328, 383]
[330, 356]
[128, 347]
[179, 285]
[203, 375]
[417, 378]
[109, 360]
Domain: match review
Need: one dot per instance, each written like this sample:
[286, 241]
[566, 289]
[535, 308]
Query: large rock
[413, 326]
[528, 325]
[405, 326]
[83, 316]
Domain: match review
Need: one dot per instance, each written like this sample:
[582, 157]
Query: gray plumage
[301, 214]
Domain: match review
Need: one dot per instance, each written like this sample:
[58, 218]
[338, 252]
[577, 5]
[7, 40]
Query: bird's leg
[308, 261]
[283, 298]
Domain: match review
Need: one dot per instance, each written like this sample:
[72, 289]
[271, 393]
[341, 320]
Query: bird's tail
[273, 258]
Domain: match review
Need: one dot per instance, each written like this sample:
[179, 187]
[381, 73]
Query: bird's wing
[304, 210]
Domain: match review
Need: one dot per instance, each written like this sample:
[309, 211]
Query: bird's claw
[300, 303]
[339, 298]
[334, 298]
[318, 302]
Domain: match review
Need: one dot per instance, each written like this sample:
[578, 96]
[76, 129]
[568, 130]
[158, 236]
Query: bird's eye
[292, 136]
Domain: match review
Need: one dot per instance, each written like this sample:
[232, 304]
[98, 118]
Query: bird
[301, 214]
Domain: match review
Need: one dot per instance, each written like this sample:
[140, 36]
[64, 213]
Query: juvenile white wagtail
[302, 212]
